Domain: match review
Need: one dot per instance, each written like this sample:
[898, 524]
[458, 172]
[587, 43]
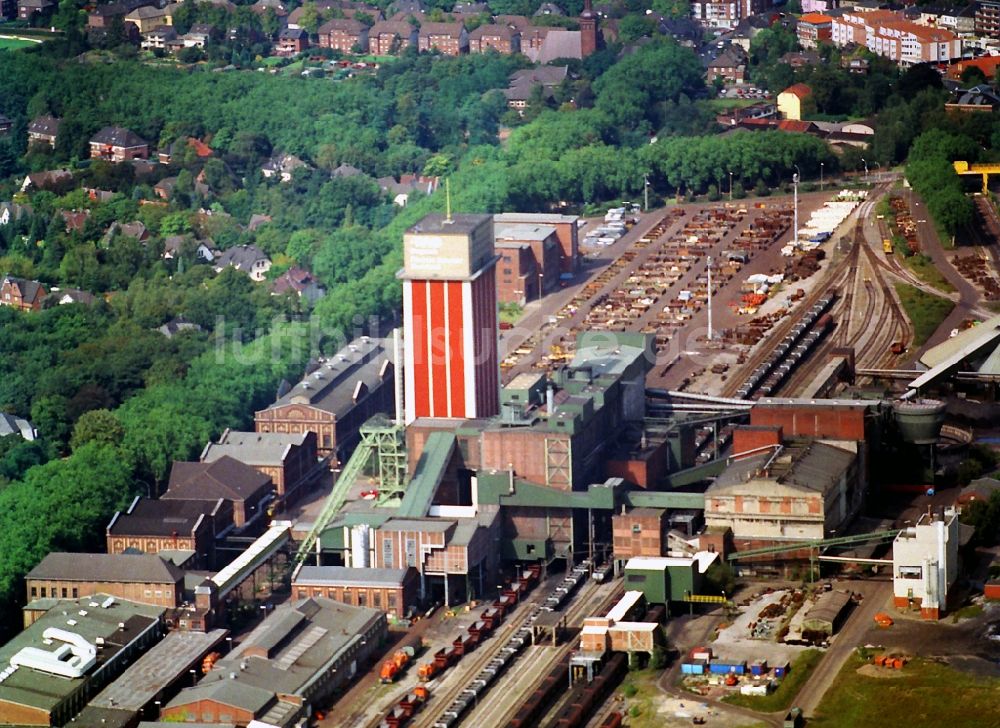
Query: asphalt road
[876, 595]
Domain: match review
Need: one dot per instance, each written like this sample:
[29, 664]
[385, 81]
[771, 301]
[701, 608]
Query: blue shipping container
[758, 667]
[724, 668]
[692, 668]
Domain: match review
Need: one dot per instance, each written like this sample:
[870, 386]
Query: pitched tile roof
[225, 478]
[117, 136]
[140, 568]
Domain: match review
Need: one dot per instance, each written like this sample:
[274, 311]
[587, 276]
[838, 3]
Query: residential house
[166, 187]
[291, 42]
[55, 180]
[257, 220]
[44, 130]
[523, 82]
[179, 531]
[549, 9]
[977, 98]
[344, 34]
[723, 14]
[336, 398]
[28, 9]
[892, 35]
[859, 66]
[12, 212]
[21, 294]
[140, 578]
[135, 230]
[177, 325]
[389, 37]
[407, 185]
[800, 59]
[961, 20]
[408, 7]
[12, 425]
[300, 656]
[282, 166]
[813, 29]
[345, 170]
[987, 18]
[730, 66]
[246, 492]
[147, 17]
[794, 100]
[288, 459]
[736, 116]
[450, 39]
[67, 296]
[247, 259]
[173, 245]
[5, 125]
[298, 282]
[75, 219]
[470, 8]
[159, 37]
[116, 144]
[503, 39]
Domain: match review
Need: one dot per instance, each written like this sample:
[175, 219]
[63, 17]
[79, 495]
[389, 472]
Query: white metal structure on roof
[987, 337]
[624, 606]
[257, 553]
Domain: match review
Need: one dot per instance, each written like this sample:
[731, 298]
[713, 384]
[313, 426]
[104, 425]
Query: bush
[630, 690]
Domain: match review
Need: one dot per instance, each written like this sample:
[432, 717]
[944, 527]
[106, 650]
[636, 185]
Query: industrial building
[394, 591]
[150, 680]
[179, 531]
[450, 317]
[287, 458]
[566, 229]
[297, 657]
[336, 397]
[797, 491]
[925, 563]
[50, 671]
[140, 578]
[665, 579]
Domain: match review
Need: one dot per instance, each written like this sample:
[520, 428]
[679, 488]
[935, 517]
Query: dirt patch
[880, 673]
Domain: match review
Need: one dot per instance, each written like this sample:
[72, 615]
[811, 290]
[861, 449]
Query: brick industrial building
[140, 578]
[336, 398]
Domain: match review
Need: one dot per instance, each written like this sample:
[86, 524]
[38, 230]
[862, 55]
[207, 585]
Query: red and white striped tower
[450, 318]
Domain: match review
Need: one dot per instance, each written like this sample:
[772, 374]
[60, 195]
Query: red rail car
[614, 720]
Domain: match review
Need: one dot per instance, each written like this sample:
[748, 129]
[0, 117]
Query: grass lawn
[725, 104]
[928, 695]
[510, 313]
[14, 43]
[781, 699]
[926, 271]
[925, 311]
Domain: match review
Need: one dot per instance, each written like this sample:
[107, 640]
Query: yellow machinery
[983, 170]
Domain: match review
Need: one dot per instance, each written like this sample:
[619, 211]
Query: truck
[394, 666]
[793, 719]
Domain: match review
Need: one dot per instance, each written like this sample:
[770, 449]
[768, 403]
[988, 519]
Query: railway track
[479, 659]
[502, 703]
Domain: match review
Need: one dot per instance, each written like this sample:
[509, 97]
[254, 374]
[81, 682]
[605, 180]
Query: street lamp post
[878, 175]
[821, 165]
[730, 186]
[864, 162]
[645, 192]
[795, 204]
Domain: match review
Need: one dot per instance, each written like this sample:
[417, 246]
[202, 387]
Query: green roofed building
[52, 669]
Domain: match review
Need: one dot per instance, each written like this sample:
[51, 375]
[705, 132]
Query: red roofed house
[343, 34]
[987, 64]
[451, 39]
[813, 29]
[792, 99]
[888, 33]
[21, 294]
[500, 38]
[116, 144]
